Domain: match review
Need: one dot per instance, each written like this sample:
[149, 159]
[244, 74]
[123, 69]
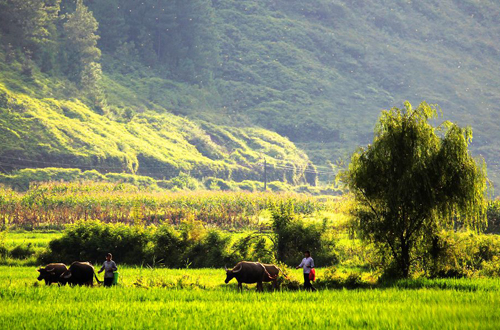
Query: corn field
[58, 204]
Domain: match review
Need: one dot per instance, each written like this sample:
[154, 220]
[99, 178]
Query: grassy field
[38, 239]
[198, 298]
[163, 298]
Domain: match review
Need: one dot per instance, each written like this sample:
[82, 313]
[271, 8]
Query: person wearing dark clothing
[109, 267]
[307, 264]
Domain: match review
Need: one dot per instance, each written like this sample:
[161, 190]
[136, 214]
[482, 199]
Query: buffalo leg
[240, 287]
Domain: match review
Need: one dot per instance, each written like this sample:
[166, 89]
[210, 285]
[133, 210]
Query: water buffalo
[253, 272]
[51, 273]
[79, 273]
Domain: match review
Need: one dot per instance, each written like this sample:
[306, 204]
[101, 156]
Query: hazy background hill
[316, 73]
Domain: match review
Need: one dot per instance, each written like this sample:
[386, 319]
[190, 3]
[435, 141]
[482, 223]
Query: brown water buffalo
[79, 273]
[52, 273]
[253, 272]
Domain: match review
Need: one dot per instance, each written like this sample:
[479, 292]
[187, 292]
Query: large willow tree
[413, 181]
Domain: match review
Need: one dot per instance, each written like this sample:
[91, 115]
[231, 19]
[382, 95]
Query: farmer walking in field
[109, 266]
[307, 264]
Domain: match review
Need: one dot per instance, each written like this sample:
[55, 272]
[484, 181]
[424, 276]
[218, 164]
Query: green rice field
[199, 299]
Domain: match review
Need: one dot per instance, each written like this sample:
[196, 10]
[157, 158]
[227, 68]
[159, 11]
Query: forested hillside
[199, 85]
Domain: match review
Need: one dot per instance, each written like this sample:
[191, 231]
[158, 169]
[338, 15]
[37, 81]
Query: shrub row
[191, 245]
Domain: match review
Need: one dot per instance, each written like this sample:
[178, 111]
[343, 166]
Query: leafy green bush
[4, 252]
[22, 251]
[91, 240]
[210, 251]
[252, 247]
[462, 255]
[493, 214]
[167, 246]
[288, 281]
[219, 184]
[190, 246]
[249, 185]
[278, 186]
[182, 181]
[292, 237]
[331, 278]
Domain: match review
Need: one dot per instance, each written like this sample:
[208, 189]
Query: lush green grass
[38, 239]
[214, 305]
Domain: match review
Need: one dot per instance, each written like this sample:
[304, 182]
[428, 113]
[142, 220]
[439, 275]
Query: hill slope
[39, 131]
[321, 72]
[317, 73]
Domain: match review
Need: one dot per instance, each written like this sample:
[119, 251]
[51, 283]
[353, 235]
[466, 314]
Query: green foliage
[253, 247]
[167, 246]
[209, 251]
[279, 65]
[292, 237]
[91, 241]
[493, 214]
[3, 248]
[218, 184]
[29, 23]
[333, 279]
[191, 246]
[22, 251]
[462, 255]
[56, 204]
[51, 132]
[182, 181]
[413, 181]
[81, 52]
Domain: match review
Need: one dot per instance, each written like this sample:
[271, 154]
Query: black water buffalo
[79, 273]
[253, 272]
[51, 273]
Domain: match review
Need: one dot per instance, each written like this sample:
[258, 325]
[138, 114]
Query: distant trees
[80, 42]
[30, 25]
[176, 37]
[199, 51]
[413, 181]
[179, 37]
[65, 43]
[28, 22]
[81, 51]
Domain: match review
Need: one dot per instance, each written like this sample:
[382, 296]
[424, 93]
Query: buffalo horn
[49, 270]
[67, 275]
[235, 271]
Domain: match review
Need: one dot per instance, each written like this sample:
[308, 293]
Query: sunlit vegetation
[58, 204]
[289, 68]
[161, 298]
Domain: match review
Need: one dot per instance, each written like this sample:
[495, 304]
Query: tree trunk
[405, 259]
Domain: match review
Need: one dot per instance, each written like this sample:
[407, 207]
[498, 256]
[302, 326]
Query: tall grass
[57, 204]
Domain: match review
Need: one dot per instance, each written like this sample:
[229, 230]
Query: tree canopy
[414, 180]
